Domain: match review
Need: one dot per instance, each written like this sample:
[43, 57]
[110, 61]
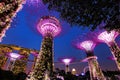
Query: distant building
[74, 72]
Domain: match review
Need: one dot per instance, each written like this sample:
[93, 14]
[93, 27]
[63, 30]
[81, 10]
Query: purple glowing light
[107, 37]
[35, 53]
[111, 58]
[49, 25]
[67, 61]
[87, 45]
[14, 56]
[86, 59]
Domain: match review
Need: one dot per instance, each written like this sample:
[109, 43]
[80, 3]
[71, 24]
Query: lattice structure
[109, 39]
[13, 57]
[3, 57]
[94, 68]
[19, 65]
[67, 61]
[49, 27]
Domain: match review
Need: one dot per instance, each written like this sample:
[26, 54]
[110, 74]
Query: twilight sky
[23, 33]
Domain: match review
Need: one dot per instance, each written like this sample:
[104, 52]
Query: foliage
[88, 13]
[8, 10]
[44, 63]
[8, 75]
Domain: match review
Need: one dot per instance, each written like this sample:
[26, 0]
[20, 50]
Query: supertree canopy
[8, 10]
[95, 70]
[49, 27]
[13, 57]
[67, 61]
[87, 45]
[109, 39]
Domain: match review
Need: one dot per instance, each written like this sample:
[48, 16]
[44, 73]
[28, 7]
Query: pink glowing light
[14, 56]
[86, 59]
[49, 25]
[111, 58]
[87, 45]
[107, 37]
[35, 53]
[67, 61]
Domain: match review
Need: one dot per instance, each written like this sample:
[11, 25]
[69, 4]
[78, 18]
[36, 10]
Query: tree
[8, 10]
[88, 13]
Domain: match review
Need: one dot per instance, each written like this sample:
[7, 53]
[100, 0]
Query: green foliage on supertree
[3, 55]
[44, 61]
[116, 53]
[21, 64]
[88, 13]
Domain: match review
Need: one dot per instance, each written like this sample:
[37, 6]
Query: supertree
[20, 64]
[94, 68]
[109, 39]
[8, 10]
[13, 57]
[67, 62]
[49, 27]
[3, 58]
[35, 54]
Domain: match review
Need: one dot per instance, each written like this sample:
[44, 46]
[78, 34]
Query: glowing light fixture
[14, 56]
[107, 37]
[67, 61]
[87, 45]
[49, 26]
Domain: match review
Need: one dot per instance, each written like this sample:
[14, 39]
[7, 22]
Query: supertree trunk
[8, 10]
[3, 60]
[116, 53]
[20, 65]
[44, 63]
[67, 68]
[33, 65]
[95, 70]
